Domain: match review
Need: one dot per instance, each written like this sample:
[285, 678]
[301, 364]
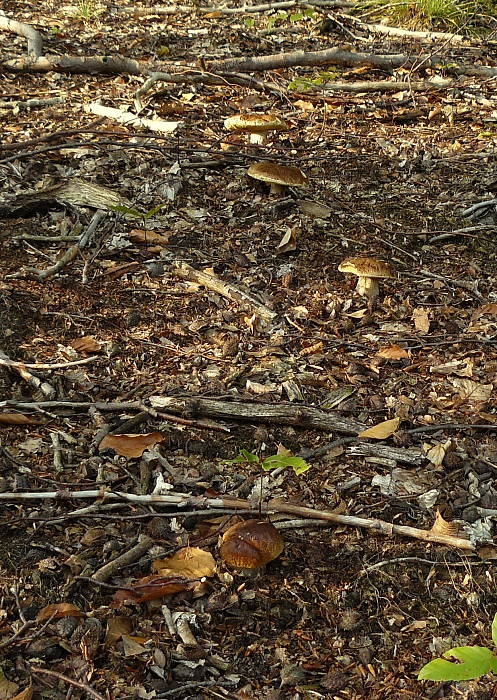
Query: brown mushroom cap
[250, 544]
[255, 123]
[276, 174]
[367, 267]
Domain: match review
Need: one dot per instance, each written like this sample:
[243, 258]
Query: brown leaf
[381, 430]
[421, 320]
[142, 237]
[58, 610]
[116, 628]
[152, 588]
[85, 344]
[442, 527]
[190, 562]
[393, 352]
[25, 694]
[18, 419]
[130, 445]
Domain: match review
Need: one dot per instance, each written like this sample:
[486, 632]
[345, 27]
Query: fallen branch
[70, 681]
[132, 120]
[42, 365]
[46, 389]
[181, 501]
[28, 104]
[35, 41]
[129, 557]
[226, 289]
[280, 414]
[267, 7]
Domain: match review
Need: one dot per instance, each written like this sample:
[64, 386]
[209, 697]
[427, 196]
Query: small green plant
[89, 10]
[279, 461]
[473, 663]
[303, 84]
[135, 213]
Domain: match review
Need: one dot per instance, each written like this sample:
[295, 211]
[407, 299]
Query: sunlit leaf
[475, 662]
[381, 430]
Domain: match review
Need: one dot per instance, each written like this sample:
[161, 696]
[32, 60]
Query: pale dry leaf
[472, 391]
[315, 209]
[436, 454]
[288, 242]
[8, 689]
[381, 430]
[421, 320]
[189, 562]
[131, 647]
[461, 368]
[442, 527]
[130, 445]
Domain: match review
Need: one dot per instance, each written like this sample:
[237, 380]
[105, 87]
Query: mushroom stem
[368, 287]
[276, 189]
[259, 139]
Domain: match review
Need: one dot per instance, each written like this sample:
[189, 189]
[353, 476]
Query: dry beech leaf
[25, 694]
[7, 688]
[130, 445]
[442, 527]
[85, 344]
[381, 430]
[152, 588]
[393, 352]
[18, 419]
[421, 320]
[489, 309]
[58, 610]
[436, 454]
[472, 391]
[142, 237]
[116, 628]
[190, 562]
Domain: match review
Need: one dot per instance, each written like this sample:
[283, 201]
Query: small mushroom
[277, 176]
[250, 545]
[257, 125]
[369, 271]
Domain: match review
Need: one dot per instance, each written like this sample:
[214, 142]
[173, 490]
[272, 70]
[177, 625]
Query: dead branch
[336, 56]
[113, 65]
[268, 7]
[132, 120]
[35, 40]
[280, 414]
[45, 389]
[43, 365]
[28, 104]
[382, 86]
[129, 557]
[226, 289]
[397, 31]
[181, 500]
[70, 681]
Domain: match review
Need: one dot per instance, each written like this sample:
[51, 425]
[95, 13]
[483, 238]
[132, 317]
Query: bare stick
[35, 41]
[45, 388]
[374, 524]
[77, 684]
[226, 289]
[128, 557]
[42, 365]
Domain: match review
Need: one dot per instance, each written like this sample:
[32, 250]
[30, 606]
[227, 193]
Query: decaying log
[280, 414]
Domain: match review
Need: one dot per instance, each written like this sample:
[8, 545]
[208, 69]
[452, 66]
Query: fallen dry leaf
[190, 562]
[152, 588]
[421, 320]
[142, 237]
[472, 391]
[442, 527]
[130, 445]
[393, 352]
[381, 430]
[117, 627]
[85, 344]
[58, 610]
[288, 242]
[18, 419]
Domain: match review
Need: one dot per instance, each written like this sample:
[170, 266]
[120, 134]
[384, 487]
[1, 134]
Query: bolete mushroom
[277, 176]
[257, 125]
[369, 271]
[250, 545]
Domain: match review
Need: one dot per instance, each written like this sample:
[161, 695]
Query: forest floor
[345, 612]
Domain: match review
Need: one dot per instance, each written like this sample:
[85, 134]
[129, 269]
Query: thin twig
[78, 684]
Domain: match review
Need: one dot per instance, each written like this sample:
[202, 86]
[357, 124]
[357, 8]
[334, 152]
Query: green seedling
[129, 211]
[473, 663]
[280, 461]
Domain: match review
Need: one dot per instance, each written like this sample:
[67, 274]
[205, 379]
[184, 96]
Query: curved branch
[35, 40]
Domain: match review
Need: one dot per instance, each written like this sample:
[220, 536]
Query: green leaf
[244, 457]
[309, 12]
[296, 17]
[494, 630]
[126, 210]
[249, 21]
[475, 662]
[153, 212]
[298, 464]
